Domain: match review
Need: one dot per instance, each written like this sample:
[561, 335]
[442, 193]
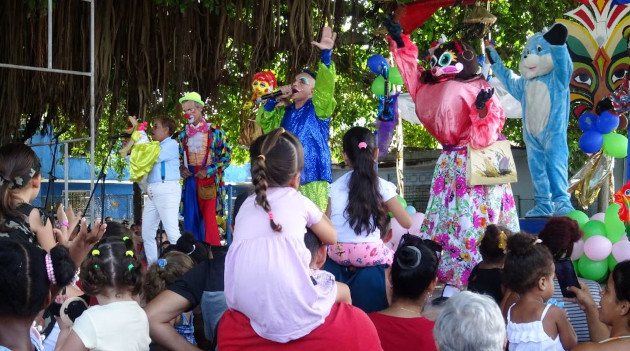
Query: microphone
[63, 130]
[269, 96]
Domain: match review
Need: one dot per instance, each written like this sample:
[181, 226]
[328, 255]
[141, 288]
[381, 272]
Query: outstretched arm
[406, 60]
[324, 91]
[514, 84]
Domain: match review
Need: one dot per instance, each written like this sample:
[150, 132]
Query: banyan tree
[147, 52]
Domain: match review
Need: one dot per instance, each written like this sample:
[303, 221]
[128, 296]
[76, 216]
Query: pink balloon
[597, 247]
[578, 250]
[621, 250]
[416, 222]
[599, 217]
[397, 233]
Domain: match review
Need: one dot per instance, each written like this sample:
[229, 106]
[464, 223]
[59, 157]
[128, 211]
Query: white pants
[163, 204]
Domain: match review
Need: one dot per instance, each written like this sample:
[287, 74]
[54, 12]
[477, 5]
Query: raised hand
[395, 31]
[83, 243]
[492, 54]
[483, 97]
[328, 39]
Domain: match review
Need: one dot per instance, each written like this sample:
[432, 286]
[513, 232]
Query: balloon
[607, 122]
[410, 209]
[377, 63]
[594, 270]
[397, 232]
[395, 77]
[612, 262]
[578, 216]
[600, 216]
[402, 201]
[378, 86]
[587, 121]
[576, 268]
[591, 228]
[621, 250]
[615, 145]
[597, 247]
[591, 142]
[416, 222]
[578, 250]
[615, 228]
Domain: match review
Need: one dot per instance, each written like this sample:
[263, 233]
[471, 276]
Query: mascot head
[452, 60]
[536, 60]
[263, 83]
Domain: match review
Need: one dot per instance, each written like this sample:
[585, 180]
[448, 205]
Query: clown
[206, 155]
[457, 106]
[543, 90]
[308, 117]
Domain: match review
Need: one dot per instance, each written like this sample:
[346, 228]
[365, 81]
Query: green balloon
[592, 228]
[402, 201]
[578, 216]
[615, 228]
[378, 86]
[593, 270]
[612, 262]
[395, 77]
[615, 145]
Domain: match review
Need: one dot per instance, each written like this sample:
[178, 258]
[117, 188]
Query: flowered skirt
[457, 215]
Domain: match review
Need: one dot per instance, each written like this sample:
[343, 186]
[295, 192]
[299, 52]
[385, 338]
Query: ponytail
[365, 210]
[18, 165]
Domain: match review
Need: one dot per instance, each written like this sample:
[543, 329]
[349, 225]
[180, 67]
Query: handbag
[491, 165]
[207, 189]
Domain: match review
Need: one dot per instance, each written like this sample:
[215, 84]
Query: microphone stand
[102, 176]
[52, 178]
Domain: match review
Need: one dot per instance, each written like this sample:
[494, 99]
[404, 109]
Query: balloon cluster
[598, 134]
[386, 76]
[604, 244]
[397, 230]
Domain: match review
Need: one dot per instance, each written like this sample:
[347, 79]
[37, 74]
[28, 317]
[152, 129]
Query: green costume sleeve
[324, 94]
[269, 121]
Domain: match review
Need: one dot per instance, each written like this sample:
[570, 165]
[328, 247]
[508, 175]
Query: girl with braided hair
[267, 275]
[27, 274]
[112, 274]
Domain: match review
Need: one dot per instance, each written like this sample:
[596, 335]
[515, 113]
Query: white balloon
[578, 250]
[597, 247]
[599, 217]
[621, 250]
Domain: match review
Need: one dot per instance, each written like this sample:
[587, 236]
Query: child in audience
[485, 278]
[358, 205]
[532, 324]
[20, 180]
[163, 273]
[26, 275]
[267, 275]
[112, 274]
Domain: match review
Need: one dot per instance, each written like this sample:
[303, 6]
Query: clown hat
[192, 96]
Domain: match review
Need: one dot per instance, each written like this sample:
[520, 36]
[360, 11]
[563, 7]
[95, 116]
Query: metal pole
[50, 30]
[65, 171]
[92, 103]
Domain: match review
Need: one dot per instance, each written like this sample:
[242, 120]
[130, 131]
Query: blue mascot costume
[543, 90]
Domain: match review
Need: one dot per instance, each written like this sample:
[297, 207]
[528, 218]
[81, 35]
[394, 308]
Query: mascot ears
[557, 34]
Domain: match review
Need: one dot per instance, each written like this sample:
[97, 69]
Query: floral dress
[457, 215]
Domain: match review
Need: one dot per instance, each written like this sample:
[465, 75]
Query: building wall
[420, 164]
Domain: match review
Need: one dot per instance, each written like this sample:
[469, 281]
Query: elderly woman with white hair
[470, 321]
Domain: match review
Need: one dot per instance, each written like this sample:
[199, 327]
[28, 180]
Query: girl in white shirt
[112, 274]
[358, 205]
